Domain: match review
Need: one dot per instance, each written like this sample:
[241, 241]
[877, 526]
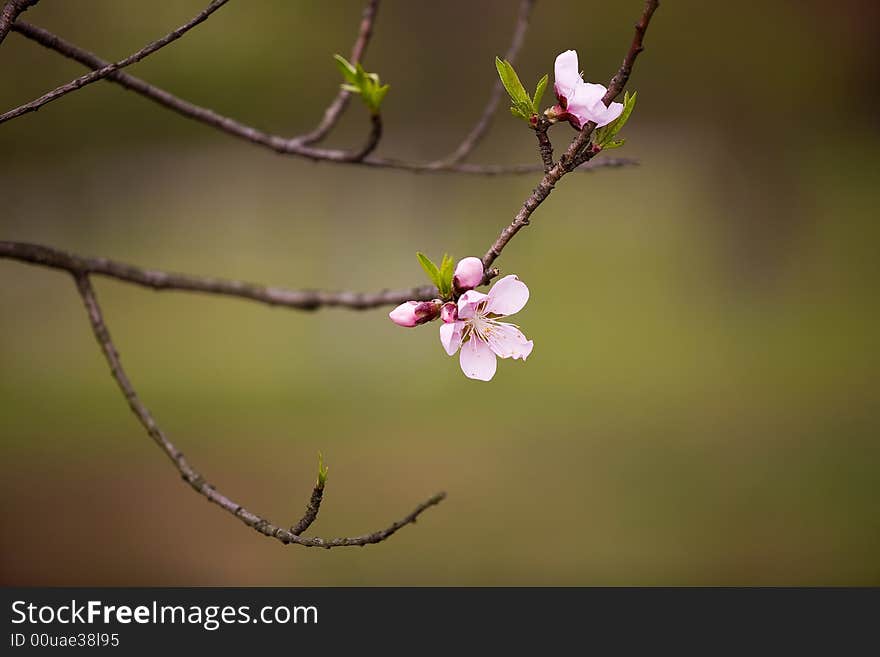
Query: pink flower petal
[577, 116]
[590, 95]
[566, 75]
[610, 114]
[586, 105]
[477, 360]
[468, 302]
[507, 296]
[450, 336]
[507, 341]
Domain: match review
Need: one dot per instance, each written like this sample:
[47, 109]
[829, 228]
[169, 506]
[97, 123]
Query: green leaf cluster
[604, 137]
[524, 106]
[358, 81]
[440, 276]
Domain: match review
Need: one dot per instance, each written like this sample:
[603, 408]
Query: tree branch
[162, 280]
[372, 140]
[311, 510]
[107, 69]
[277, 143]
[187, 472]
[10, 12]
[578, 150]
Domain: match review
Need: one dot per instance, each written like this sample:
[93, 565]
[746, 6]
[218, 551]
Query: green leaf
[430, 269]
[373, 96]
[379, 95]
[525, 108]
[539, 94]
[447, 270]
[362, 76]
[347, 70]
[322, 471]
[629, 103]
[446, 264]
[511, 82]
[605, 135]
[614, 143]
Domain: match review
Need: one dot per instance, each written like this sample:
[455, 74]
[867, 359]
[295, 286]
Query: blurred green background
[702, 403]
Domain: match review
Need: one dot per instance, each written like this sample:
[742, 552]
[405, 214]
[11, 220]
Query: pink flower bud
[413, 313]
[468, 274]
[449, 312]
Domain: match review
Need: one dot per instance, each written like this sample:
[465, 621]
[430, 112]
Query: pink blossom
[468, 274]
[479, 333]
[580, 101]
[413, 313]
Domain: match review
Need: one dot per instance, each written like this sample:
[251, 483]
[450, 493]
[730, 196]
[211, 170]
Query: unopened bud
[449, 312]
[413, 313]
[468, 274]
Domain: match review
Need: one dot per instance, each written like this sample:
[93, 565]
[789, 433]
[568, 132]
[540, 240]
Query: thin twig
[104, 71]
[187, 472]
[545, 148]
[311, 511]
[618, 82]
[340, 102]
[248, 133]
[485, 169]
[577, 152]
[482, 126]
[372, 140]
[10, 12]
[163, 280]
